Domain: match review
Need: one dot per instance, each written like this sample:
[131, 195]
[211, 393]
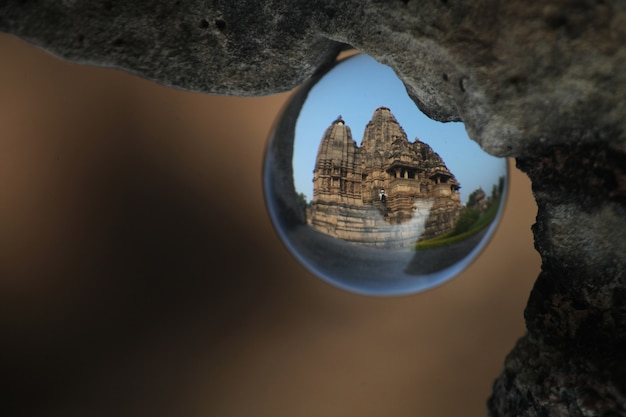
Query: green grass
[461, 233]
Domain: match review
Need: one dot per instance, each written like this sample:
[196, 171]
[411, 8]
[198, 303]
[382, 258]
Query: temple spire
[382, 130]
[421, 193]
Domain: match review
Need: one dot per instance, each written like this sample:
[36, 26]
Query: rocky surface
[572, 362]
[518, 74]
[544, 82]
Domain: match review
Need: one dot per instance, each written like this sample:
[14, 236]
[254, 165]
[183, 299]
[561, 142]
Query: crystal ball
[371, 195]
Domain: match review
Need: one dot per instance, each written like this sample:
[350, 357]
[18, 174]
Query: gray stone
[544, 82]
[518, 75]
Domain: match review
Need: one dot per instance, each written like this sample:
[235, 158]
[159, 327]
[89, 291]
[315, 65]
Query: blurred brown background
[139, 273]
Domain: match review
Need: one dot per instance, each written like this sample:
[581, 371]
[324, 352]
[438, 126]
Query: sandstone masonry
[422, 195]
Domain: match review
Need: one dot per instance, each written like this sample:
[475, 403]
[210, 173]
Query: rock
[573, 359]
[518, 75]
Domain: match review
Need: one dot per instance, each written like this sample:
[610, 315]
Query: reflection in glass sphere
[392, 214]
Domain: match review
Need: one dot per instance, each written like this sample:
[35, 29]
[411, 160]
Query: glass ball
[371, 195]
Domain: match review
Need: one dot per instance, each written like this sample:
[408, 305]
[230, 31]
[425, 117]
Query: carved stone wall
[422, 197]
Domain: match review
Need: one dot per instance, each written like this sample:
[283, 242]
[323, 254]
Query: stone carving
[350, 183]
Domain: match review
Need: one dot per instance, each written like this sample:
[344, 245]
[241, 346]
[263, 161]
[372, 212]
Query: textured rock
[544, 82]
[421, 195]
[573, 361]
[517, 74]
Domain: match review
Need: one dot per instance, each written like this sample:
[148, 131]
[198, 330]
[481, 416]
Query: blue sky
[354, 89]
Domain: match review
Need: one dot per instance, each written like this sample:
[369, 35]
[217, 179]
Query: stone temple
[422, 195]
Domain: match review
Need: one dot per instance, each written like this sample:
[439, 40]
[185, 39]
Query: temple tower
[422, 194]
[337, 173]
[381, 131]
